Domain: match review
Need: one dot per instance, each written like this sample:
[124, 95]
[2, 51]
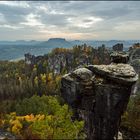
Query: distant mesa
[20, 41]
[76, 40]
[57, 39]
[56, 42]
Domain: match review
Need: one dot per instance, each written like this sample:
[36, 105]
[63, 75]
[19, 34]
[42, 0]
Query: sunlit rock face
[99, 95]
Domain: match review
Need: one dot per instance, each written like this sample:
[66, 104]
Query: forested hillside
[31, 106]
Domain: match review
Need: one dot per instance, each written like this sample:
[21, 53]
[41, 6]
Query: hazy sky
[100, 20]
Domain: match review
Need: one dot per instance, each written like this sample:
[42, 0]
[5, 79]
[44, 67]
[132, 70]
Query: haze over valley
[15, 50]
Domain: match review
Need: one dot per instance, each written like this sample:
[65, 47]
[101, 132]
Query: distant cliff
[61, 59]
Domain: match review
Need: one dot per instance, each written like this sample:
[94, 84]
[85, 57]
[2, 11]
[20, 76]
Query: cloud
[32, 20]
[84, 22]
[15, 4]
[9, 26]
[14, 12]
[70, 19]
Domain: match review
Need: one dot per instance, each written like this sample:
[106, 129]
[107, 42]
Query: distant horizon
[73, 20]
[73, 39]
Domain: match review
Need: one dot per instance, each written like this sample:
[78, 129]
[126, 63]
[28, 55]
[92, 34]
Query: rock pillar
[99, 95]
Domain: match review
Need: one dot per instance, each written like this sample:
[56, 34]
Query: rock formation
[61, 59]
[118, 47]
[29, 59]
[136, 45]
[32, 59]
[99, 94]
[119, 57]
[135, 59]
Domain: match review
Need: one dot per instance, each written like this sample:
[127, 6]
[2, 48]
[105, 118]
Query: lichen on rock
[82, 73]
[120, 73]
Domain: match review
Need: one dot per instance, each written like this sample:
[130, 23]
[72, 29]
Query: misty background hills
[13, 50]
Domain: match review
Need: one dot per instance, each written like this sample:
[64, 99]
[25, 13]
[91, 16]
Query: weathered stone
[136, 65]
[118, 47]
[60, 59]
[120, 73]
[134, 54]
[134, 61]
[99, 95]
[119, 57]
[82, 73]
[76, 84]
[111, 102]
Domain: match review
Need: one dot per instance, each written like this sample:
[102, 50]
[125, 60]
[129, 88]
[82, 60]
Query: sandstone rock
[135, 62]
[76, 84]
[99, 95]
[119, 57]
[134, 54]
[82, 73]
[135, 59]
[118, 47]
[119, 73]
[136, 65]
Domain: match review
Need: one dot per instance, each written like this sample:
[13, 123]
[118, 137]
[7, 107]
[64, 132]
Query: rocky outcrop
[118, 47]
[136, 45]
[135, 58]
[119, 57]
[134, 61]
[62, 59]
[99, 95]
[29, 59]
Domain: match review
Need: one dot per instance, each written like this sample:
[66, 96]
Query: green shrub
[42, 118]
[131, 118]
[38, 105]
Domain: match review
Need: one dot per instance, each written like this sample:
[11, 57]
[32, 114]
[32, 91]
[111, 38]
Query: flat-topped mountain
[56, 42]
[57, 39]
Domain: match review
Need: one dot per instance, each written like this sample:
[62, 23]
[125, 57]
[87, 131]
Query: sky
[73, 20]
